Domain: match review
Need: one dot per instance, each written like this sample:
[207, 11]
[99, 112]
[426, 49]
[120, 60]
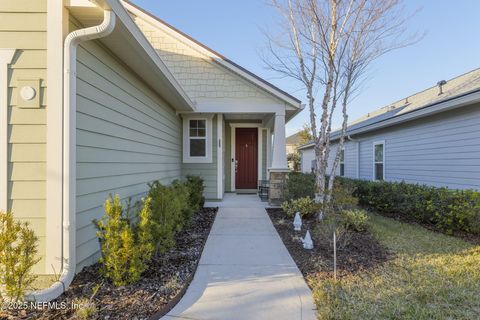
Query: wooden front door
[246, 153]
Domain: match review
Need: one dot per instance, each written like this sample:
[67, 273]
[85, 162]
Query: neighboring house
[292, 142]
[143, 102]
[431, 137]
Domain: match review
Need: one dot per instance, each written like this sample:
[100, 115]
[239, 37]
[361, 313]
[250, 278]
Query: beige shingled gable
[198, 74]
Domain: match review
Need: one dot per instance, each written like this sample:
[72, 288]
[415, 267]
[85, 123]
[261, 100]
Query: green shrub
[330, 224]
[167, 215]
[18, 249]
[342, 198]
[300, 185]
[182, 192]
[306, 206]
[195, 188]
[354, 219]
[449, 210]
[126, 248]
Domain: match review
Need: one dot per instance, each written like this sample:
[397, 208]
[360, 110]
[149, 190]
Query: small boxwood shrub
[18, 250]
[447, 209]
[306, 206]
[195, 189]
[354, 219]
[300, 185]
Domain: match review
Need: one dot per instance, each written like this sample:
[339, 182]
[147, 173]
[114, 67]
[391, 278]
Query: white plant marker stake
[297, 222]
[307, 241]
[334, 256]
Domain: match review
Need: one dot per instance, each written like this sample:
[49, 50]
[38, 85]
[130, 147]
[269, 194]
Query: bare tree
[328, 45]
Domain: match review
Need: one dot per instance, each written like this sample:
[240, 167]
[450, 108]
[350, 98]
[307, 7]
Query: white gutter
[69, 153]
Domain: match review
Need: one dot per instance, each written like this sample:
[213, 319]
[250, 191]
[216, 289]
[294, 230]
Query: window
[342, 163]
[198, 137]
[379, 161]
[313, 166]
[197, 140]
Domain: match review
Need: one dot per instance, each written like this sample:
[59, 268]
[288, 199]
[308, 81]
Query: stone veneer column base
[278, 180]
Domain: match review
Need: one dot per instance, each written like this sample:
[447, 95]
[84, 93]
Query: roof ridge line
[429, 88]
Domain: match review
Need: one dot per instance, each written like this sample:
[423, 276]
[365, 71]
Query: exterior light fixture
[307, 241]
[297, 222]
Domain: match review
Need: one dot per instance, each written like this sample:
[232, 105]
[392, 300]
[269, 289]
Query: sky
[450, 47]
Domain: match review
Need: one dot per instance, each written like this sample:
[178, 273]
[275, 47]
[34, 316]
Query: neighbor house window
[197, 139]
[342, 163]
[379, 161]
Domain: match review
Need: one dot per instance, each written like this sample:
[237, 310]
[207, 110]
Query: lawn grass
[430, 276]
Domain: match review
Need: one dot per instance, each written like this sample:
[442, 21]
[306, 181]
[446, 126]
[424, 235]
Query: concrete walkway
[245, 272]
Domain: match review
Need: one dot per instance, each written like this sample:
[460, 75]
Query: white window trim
[208, 136]
[376, 143]
[233, 126]
[340, 164]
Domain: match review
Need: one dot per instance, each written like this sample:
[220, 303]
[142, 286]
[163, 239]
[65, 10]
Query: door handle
[236, 165]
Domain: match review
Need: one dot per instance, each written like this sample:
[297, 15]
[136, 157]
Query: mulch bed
[159, 289]
[362, 253]
[469, 237]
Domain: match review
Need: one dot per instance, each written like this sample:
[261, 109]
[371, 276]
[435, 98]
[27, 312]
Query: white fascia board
[307, 146]
[290, 115]
[236, 106]
[213, 56]
[80, 3]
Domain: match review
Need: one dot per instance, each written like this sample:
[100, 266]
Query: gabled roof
[131, 46]
[463, 86]
[216, 57]
[293, 139]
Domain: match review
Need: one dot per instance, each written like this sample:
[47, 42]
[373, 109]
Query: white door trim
[6, 56]
[233, 126]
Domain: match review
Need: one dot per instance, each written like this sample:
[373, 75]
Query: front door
[246, 153]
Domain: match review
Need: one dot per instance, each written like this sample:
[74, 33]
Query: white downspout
[69, 153]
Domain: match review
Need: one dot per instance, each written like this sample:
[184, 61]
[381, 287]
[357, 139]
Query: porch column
[279, 169]
[279, 156]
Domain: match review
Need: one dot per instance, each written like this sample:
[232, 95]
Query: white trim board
[220, 165]
[57, 26]
[6, 56]
[233, 126]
